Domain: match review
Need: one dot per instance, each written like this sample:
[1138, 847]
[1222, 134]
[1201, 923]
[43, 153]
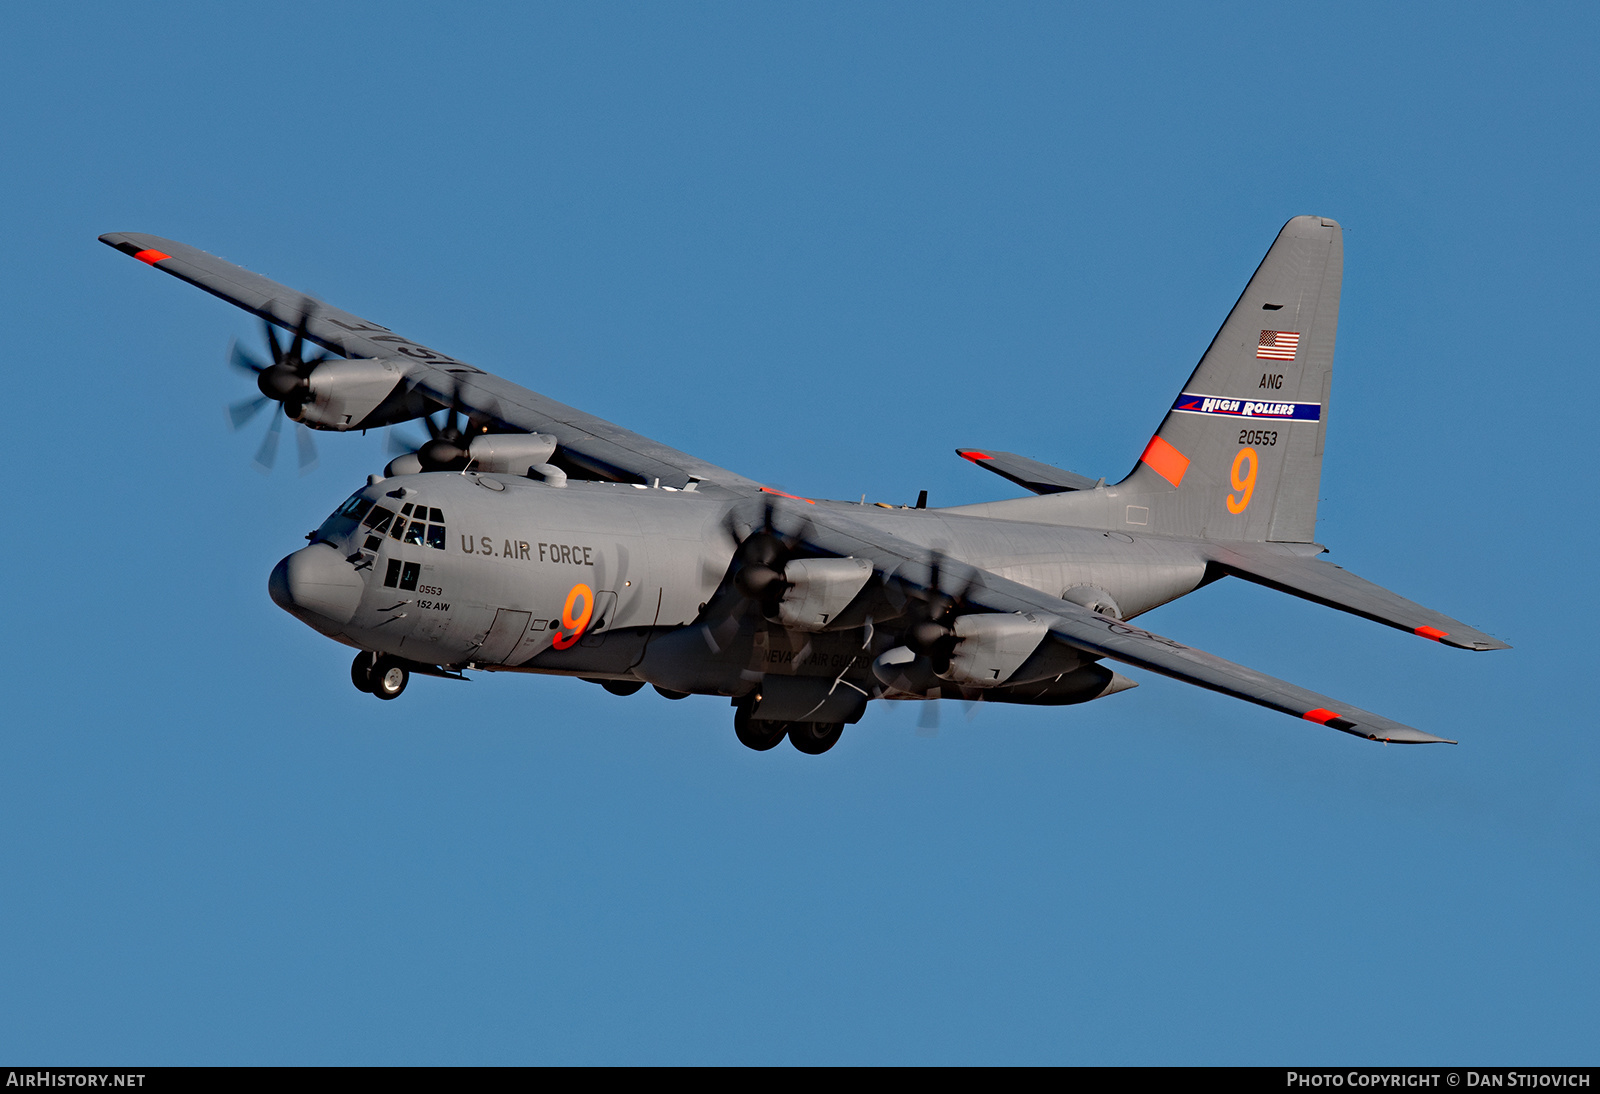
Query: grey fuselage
[518, 563]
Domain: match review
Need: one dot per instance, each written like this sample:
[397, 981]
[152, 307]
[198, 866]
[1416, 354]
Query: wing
[593, 444]
[1103, 636]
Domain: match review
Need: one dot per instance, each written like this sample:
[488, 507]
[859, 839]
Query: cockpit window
[344, 519]
[417, 524]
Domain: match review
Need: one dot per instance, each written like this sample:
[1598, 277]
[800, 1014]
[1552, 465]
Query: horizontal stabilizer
[1330, 585]
[1041, 478]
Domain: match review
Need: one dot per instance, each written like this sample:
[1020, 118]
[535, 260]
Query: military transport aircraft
[528, 536]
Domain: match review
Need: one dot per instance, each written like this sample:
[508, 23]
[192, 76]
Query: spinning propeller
[285, 381]
[932, 611]
[446, 448]
[761, 556]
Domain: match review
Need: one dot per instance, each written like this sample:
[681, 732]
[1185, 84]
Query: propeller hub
[283, 382]
[759, 582]
[442, 455]
[927, 636]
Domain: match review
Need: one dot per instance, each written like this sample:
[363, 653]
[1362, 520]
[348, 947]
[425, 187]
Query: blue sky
[824, 245]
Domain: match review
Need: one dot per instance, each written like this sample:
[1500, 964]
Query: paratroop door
[503, 637]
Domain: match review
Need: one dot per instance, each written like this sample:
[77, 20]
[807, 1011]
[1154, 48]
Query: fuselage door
[502, 638]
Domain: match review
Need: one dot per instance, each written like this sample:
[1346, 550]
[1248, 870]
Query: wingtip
[1409, 736]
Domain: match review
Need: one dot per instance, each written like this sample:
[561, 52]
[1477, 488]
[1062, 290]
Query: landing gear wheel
[760, 735]
[757, 735]
[389, 678]
[622, 687]
[361, 671]
[815, 738]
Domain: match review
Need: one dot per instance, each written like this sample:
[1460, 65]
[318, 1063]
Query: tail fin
[1239, 455]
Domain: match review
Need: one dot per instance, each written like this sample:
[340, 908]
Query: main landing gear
[379, 674]
[812, 738]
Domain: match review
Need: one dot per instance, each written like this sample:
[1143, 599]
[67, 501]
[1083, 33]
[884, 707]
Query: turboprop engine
[348, 394]
[497, 453]
[816, 591]
[983, 650]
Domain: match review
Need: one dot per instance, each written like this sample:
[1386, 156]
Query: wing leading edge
[591, 443]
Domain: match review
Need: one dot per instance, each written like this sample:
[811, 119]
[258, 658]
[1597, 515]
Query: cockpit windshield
[421, 525]
[344, 519]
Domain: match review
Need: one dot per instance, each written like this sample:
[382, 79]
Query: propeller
[761, 556]
[446, 448]
[285, 380]
[932, 610]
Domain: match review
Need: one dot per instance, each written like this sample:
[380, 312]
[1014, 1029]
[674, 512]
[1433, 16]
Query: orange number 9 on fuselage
[573, 621]
[1243, 480]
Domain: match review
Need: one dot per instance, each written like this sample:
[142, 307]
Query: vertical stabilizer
[1239, 455]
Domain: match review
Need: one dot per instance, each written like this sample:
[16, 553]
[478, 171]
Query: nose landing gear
[379, 674]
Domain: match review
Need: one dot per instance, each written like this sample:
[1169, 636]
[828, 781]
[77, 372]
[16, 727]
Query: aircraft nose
[316, 581]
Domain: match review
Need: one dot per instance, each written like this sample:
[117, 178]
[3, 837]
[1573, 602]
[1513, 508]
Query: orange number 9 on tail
[1243, 480]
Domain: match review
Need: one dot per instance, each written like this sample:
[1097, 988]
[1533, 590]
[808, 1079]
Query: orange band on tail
[1165, 460]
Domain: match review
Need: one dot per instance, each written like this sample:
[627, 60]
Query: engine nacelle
[510, 453]
[496, 453]
[820, 589]
[347, 394]
[992, 647]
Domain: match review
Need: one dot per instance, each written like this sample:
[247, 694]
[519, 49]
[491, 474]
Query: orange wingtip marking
[151, 257]
[974, 455]
[1165, 460]
[1432, 632]
[1320, 716]
[781, 494]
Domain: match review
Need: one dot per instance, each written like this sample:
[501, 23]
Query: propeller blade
[267, 454]
[307, 449]
[297, 345]
[928, 719]
[245, 361]
[399, 445]
[272, 341]
[241, 412]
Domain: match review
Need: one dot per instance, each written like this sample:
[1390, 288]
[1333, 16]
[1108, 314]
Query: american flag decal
[1278, 345]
